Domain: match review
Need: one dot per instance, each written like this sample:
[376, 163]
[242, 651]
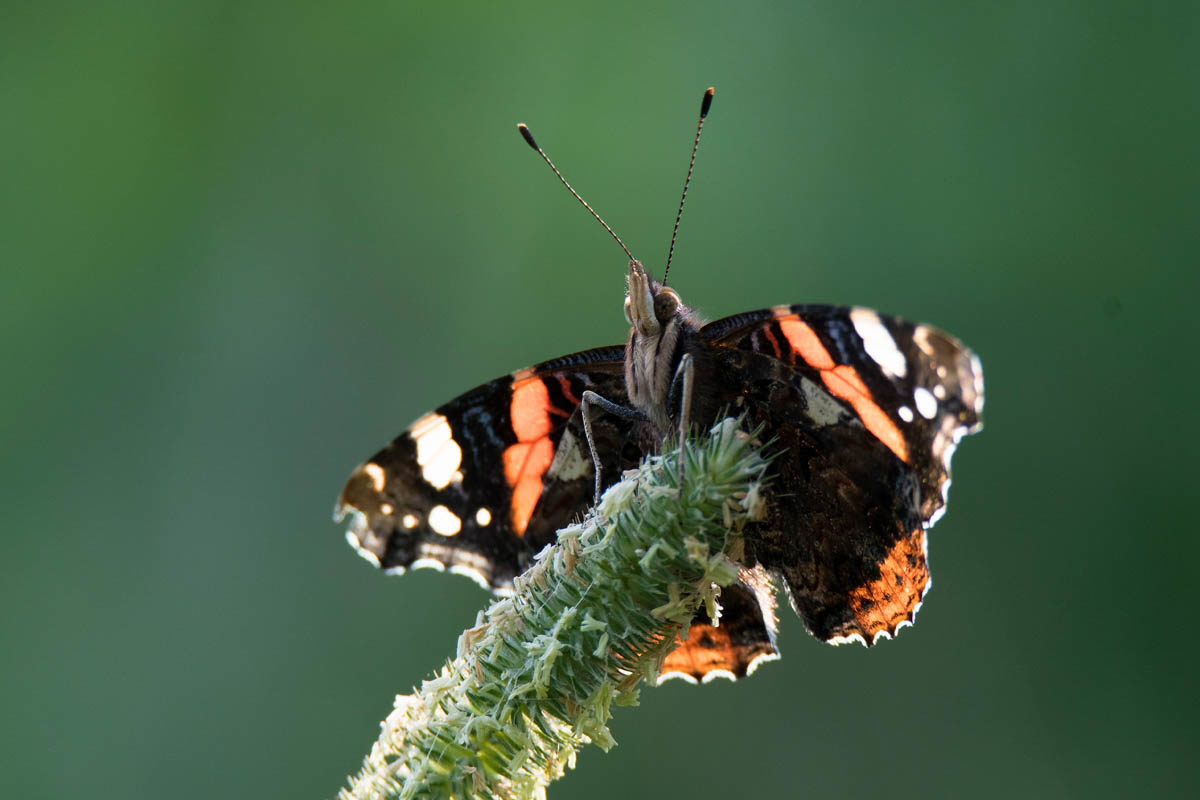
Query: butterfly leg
[588, 400]
[683, 380]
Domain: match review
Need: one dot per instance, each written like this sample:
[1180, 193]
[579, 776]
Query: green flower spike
[595, 615]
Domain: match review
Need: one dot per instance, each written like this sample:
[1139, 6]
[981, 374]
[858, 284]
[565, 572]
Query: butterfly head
[649, 306]
[659, 324]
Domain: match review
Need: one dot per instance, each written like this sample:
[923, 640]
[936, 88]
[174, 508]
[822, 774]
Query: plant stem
[595, 615]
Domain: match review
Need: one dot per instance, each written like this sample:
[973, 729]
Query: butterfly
[864, 411]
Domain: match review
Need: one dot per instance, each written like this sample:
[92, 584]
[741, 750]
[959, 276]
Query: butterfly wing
[743, 637]
[479, 485]
[867, 411]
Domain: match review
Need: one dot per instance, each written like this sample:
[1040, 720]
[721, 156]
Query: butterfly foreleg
[588, 400]
[682, 383]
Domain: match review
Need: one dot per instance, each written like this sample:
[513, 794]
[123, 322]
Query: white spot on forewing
[430, 432]
[386, 508]
[444, 521]
[375, 473]
[921, 340]
[429, 563]
[409, 521]
[483, 517]
[939, 392]
[927, 404]
[905, 413]
[878, 343]
[438, 455]
[443, 467]
[821, 408]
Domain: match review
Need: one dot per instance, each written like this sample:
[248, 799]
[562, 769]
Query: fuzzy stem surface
[593, 618]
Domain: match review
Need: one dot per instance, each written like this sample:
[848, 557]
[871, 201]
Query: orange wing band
[844, 382]
[527, 461]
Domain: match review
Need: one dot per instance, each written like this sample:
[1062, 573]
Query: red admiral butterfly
[865, 411]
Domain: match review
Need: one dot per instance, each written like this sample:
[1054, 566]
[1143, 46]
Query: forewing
[480, 484]
[915, 388]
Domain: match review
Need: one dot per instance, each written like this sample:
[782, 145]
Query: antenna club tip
[706, 103]
[524, 129]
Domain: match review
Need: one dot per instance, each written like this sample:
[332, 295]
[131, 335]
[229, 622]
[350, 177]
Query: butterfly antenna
[705, 105]
[524, 129]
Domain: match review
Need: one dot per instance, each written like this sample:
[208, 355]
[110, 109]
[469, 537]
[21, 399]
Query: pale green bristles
[595, 615]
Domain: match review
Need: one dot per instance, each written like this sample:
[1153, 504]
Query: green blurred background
[244, 244]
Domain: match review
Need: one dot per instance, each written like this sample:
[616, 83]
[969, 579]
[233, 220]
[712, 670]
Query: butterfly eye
[665, 304]
[628, 316]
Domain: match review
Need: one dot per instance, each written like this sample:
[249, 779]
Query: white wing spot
[905, 413]
[375, 473]
[386, 508]
[444, 521]
[921, 340]
[483, 517]
[927, 404]
[879, 344]
[437, 453]
[939, 392]
[409, 521]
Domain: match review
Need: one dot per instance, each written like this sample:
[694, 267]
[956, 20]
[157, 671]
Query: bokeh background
[243, 244]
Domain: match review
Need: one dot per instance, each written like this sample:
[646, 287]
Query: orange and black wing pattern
[866, 411]
[742, 638]
[480, 484]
